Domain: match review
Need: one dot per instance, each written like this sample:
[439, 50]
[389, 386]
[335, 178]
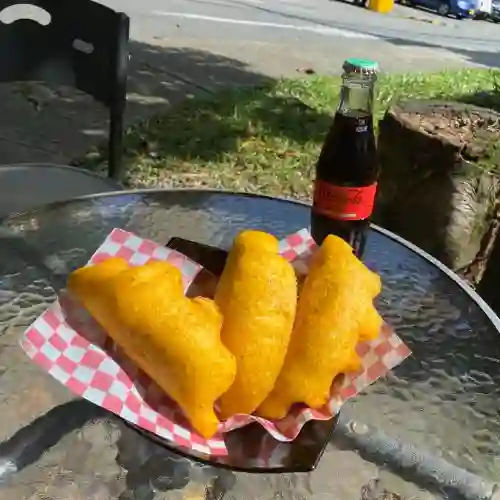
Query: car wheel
[443, 9]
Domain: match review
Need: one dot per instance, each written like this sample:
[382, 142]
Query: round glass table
[428, 430]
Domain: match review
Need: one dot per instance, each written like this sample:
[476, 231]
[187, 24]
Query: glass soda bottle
[347, 168]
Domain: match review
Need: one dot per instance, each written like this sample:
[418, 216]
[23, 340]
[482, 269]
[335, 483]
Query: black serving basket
[251, 448]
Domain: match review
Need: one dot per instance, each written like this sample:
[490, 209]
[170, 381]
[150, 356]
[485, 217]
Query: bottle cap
[362, 66]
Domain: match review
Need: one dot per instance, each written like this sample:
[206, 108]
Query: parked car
[495, 11]
[461, 9]
[483, 9]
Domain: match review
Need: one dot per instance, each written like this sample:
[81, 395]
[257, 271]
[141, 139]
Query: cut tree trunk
[439, 185]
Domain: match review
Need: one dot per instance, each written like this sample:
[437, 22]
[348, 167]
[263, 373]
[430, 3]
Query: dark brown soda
[347, 168]
[348, 159]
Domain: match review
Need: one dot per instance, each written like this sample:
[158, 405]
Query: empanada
[175, 340]
[335, 311]
[257, 295]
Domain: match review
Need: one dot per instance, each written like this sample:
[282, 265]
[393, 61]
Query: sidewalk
[47, 124]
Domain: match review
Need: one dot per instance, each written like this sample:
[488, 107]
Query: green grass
[267, 139]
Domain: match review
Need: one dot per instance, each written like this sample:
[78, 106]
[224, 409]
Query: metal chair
[85, 46]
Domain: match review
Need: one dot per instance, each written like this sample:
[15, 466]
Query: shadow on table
[149, 468]
[28, 444]
[46, 267]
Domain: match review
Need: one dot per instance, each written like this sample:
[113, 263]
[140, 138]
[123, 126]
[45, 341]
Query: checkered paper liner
[72, 348]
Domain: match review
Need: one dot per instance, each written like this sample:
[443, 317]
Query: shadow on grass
[489, 100]
[207, 128]
[45, 123]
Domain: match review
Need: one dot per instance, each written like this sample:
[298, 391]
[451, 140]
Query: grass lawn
[267, 139]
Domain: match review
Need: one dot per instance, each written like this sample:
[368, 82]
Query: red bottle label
[341, 202]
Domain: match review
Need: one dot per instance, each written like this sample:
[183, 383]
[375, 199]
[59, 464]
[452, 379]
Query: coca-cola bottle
[347, 168]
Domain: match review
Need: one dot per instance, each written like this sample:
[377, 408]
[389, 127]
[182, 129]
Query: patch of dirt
[476, 134]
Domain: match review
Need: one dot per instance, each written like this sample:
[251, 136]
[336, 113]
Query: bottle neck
[357, 95]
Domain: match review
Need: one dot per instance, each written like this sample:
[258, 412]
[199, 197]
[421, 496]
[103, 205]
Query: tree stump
[439, 186]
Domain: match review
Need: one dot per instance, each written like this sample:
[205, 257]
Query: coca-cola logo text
[342, 196]
[349, 203]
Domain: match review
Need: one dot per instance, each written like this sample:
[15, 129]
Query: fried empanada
[335, 311]
[175, 340]
[257, 295]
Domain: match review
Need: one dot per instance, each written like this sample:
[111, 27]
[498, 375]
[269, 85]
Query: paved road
[318, 32]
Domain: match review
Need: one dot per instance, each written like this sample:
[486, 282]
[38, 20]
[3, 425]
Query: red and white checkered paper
[72, 348]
